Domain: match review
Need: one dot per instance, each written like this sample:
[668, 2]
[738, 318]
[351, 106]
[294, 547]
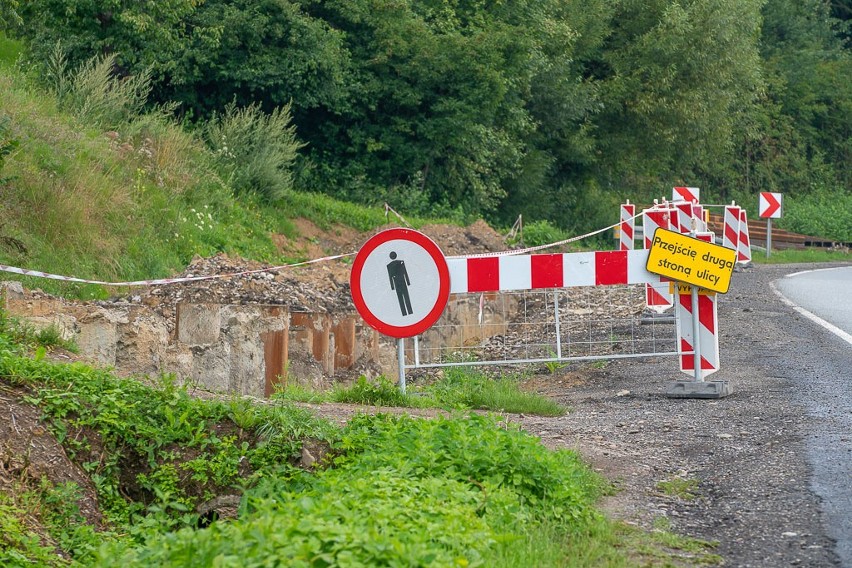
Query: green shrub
[255, 151]
[825, 213]
[93, 92]
[405, 492]
[474, 448]
[378, 392]
[383, 519]
[541, 233]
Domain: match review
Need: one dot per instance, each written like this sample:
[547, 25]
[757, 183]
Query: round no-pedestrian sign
[400, 282]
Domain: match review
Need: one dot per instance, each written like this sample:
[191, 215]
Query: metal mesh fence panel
[566, 324]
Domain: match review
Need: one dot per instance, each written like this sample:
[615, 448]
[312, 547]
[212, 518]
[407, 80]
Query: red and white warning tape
[38, 273]
[162, 281]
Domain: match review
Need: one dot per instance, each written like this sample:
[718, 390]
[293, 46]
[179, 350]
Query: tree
[676, 78]
[452, 97]
[9, 14]
[810, 87]
[141, 34]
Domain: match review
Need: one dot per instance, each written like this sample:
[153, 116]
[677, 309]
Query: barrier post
[558, 326]
[696, 336]
[696, 323]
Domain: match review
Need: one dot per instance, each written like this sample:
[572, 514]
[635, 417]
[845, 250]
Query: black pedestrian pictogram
[400, 282]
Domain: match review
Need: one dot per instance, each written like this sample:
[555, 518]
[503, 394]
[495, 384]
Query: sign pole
[401, 360]
[768, 236]
[696, 335]
[696, 323]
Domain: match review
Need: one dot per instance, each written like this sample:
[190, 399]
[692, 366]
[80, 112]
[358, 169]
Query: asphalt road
[824, 374]
[826, 293]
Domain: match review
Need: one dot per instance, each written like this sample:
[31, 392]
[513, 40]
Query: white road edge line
[814, 270]
[814, 318]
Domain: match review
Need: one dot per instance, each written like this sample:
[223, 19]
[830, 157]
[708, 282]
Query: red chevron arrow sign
[770, 205]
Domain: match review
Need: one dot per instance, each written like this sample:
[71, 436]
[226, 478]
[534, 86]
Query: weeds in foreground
[682, 488]
[457, 389]
[662, 547]
[461, 491]
[24, 335]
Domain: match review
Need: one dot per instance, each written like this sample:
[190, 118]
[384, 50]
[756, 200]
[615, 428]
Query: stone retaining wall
[242, 349]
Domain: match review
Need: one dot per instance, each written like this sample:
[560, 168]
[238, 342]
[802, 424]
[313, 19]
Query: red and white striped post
[744, 245]
[731, 231]
[698, 215]
[657, 296]
[683, 212]
[627, 226]
[701, 337]
[697, 333]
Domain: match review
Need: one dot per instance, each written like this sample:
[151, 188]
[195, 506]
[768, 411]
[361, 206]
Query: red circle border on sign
[443, 276]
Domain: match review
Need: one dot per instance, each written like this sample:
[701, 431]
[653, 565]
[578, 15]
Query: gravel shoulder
[749, 455]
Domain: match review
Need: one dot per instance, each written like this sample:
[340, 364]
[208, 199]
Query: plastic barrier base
[696, 389]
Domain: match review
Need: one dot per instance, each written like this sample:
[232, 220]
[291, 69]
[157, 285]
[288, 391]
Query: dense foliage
[387, 491]
[548, 108]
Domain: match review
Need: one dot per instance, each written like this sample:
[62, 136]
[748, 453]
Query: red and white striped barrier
[689, 194]
[628, 215]
[683, 214]
[744, 245]
[538, 271]
[707, 334]
[731, 229]
[700, 219]
[657, 296]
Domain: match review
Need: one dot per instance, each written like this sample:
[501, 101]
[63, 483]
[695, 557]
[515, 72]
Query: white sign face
[769, 205]
[690, 194]
[400, 282]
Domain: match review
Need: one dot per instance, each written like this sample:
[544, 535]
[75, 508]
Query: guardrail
[780, 238]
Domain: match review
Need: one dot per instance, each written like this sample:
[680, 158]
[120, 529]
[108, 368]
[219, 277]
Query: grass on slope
[131, 200]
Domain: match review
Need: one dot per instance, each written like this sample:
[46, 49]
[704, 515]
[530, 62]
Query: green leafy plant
[554, 366]
[20, 545]
[254, 150]
[378, 392]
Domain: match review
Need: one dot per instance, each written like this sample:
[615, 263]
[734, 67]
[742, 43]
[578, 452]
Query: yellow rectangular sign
[686, 259]
[686, 289]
